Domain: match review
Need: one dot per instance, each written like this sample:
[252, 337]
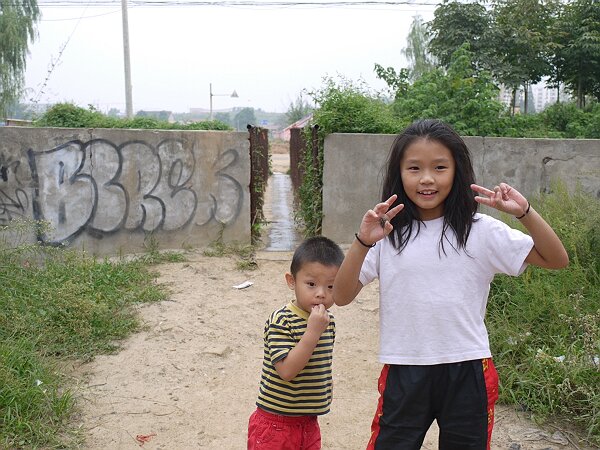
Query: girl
[435, 257]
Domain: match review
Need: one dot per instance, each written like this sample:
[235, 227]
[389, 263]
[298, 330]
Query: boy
[296, 382]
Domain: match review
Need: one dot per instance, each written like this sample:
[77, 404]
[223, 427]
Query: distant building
[505, 96]
[18, 123]
[199, 111]
[540, 96]
[284, 134]
[545, 96]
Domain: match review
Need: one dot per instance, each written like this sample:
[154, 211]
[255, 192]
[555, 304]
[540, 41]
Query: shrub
[342, 107]
[565, 118]
[67, 115]
[462, 97]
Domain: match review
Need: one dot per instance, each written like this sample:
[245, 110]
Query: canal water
[280, 233]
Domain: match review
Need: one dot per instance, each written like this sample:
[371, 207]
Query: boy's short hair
[317, 249]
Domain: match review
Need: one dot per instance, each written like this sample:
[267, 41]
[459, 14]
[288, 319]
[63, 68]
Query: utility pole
[128, 96]
[210, 117]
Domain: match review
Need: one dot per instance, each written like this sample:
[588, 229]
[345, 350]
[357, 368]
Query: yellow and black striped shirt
[310, 392]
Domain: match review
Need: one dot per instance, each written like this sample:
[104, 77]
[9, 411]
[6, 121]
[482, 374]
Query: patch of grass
[159, 257]
[246, 254]
[246, 264]
[33, 403]
[153, 254]
[57, 305]
[545, 325]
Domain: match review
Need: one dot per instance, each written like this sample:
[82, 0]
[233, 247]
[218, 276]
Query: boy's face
[313, 285]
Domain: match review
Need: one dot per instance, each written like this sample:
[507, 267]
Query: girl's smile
[427, 171]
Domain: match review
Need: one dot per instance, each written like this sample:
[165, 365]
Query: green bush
[561, 115]
[523, 126]
[342, 107]
[204, 125]
[67, 115]
[462, 97]
[592, 129]
[567, 119]
[545, 325]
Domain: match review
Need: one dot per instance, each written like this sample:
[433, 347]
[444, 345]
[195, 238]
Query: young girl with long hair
[435, 257]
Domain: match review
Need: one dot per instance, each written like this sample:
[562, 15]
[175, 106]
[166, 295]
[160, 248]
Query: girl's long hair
[460, 205]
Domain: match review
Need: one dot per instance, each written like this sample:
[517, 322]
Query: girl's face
[427, 171]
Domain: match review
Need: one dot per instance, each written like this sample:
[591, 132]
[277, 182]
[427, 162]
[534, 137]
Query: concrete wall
[107, 191]
[353, 171]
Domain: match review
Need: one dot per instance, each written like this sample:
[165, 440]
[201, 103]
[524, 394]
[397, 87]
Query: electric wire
[54, 62]
[239, 3]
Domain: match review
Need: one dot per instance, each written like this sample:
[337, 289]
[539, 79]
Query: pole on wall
[128, 95]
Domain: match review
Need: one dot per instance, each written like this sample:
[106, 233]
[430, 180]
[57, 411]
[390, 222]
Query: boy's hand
[376, 224]
[503, 198]
[318, 319]
[298, 357]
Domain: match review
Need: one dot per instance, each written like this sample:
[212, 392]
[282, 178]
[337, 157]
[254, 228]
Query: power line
[55, 62]
[79, 18]
[241, 3]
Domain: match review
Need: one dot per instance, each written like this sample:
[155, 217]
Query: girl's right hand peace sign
[376, 224]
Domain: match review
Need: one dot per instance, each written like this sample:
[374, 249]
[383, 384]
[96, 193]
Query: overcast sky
[268, 55]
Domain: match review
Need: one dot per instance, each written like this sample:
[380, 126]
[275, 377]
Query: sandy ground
[189, 379]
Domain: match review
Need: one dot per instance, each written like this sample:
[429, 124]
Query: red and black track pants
[459, 396]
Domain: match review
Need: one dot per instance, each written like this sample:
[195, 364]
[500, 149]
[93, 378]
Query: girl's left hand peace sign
[503, 198]
[376, 224]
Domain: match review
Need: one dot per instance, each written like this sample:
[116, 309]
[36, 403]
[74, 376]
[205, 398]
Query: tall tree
[398, 82]
[455, 24]
[244, 117]
[558, 37]
[223, 117]
[419, 59]
[459, 95]
[298, 110]
[578, 36]
[521, 31]
[17, 27]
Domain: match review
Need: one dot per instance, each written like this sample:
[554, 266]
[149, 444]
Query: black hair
[317, 249]
[460, 205]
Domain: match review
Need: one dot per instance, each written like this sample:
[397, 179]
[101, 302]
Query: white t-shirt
[432, 305]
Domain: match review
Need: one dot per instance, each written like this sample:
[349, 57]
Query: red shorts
[268, 431]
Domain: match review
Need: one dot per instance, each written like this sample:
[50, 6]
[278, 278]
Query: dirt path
[189, 380]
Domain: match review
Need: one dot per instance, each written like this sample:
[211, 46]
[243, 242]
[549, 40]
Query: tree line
[521, 42]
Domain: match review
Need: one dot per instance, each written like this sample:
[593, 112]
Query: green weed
[57, 305]
[153, 254]
[244, 252]
[545, 325]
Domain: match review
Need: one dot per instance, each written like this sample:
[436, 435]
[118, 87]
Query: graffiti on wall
[100, 188]
[13, 203]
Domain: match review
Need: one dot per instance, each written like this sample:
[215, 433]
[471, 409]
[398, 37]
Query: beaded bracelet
[526, 211]
[366, 245]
